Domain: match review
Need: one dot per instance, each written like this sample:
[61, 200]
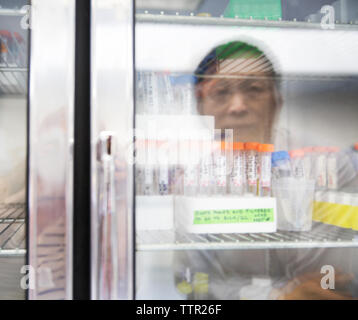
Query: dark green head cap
[234, 52]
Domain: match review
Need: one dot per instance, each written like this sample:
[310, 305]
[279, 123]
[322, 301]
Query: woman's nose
[237, 104]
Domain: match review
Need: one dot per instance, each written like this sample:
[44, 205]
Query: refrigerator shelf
[321, 236]
[221, 21]
[13, 63]
[12, 12]
[13, 80]
[12, 229]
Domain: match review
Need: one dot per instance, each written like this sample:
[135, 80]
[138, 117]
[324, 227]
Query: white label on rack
[265, 171]
[237, 173]
[321, 171]
[251, 169]
[332, 172]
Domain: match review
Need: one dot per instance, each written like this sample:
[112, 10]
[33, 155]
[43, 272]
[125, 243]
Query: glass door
[13, 133]
[223, 141]
[50, 152]
[245, 167]
[112, 119]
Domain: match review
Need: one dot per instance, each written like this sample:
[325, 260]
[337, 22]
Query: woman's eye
[221, 92]
[256, 89]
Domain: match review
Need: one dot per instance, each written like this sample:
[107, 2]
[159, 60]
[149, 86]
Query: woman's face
[240, 103]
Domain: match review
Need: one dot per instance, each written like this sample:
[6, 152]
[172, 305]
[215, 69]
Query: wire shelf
[12, 229]
[13, 63]
[321, 236]
[12, 12]
[223, 21]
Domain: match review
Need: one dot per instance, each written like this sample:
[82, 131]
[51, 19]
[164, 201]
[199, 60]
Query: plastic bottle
[237, 177]
[297, 163]
[201, 286]
[332, 168]
[265, 152]
[251, 166]
[281, 166]
[320, 167]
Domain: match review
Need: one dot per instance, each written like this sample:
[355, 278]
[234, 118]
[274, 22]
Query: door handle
[108, 244]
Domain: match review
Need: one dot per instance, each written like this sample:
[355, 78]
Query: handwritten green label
[233, 216]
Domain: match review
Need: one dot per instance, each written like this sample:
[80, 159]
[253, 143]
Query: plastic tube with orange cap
[162, 172]
[320, 167]
[149, 168]
[206, 168]
[332, 168]
[191, 167]
[237, 177]
[221, 153]
[265, 152]
[297, 163]
[307, 162]
[251, 166]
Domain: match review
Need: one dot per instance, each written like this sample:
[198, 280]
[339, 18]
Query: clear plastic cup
[294, 203]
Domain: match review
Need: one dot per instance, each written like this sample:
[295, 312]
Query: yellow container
[340, 215]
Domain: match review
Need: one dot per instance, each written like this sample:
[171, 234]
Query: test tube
[237, 177]
[332, 168]
[206, 168]
[265, 169]
[173, 165]
[354, 156]
[188, 98]
[162, 171]
[139, 165]
[307, 162]
[149, 168]
[151, 95]
[320, 167]
[191, 174]
[220, 169]
[251, 166]
[297, 163]
[3, 52]
[169, 94]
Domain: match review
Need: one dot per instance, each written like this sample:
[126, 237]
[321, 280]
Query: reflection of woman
[238, 85]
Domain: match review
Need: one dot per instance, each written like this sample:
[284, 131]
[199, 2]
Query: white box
[225, 214]
[154, 212]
